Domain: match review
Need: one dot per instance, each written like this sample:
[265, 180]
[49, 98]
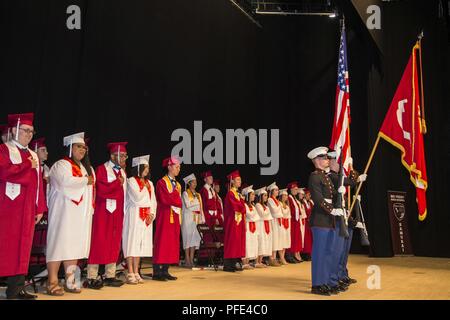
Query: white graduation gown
[137, 237]
[69, 224]
[189, 232]
[264, 238]
[286, 232]
[277, 237]
[251, 238]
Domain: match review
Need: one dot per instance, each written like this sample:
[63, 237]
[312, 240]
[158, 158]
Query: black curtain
[137, 70]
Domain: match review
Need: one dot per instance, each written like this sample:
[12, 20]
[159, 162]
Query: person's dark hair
[86, 162]
[134, 171]
[260, 199]
[247, 199]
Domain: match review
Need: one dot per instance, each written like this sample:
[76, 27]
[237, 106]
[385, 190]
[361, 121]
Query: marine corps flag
[404, 127]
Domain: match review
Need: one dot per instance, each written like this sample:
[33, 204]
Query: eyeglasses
[28, 131]
[123, 156]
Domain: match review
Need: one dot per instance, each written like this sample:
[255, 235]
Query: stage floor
[400, 278]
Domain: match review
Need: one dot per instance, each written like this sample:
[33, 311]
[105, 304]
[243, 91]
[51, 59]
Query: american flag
[340, 137]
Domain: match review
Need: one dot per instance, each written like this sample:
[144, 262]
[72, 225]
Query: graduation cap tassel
[17, 129]
[118, 155]
[70, 148]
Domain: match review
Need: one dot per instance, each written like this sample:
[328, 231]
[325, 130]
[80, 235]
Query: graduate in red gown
[107, 222]
[209, 200]
[308, 239]
[296, 236]
[166, 249]
[234, 224]
[216, 185]
[22, 203]
[40, 148]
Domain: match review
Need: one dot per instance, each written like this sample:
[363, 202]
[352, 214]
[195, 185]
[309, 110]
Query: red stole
[144, 213]
[76, 172]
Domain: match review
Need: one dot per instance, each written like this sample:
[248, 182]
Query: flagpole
[365, 172]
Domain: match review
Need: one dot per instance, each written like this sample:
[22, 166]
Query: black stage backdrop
[137, 70]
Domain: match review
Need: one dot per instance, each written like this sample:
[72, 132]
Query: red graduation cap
[170, 161]
[233, 175]
[20, 118]
[37, 143]
[292, 185]
[117, 147]
[306, 190]
[206, 174]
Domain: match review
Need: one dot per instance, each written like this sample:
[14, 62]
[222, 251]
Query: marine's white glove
[362, 177]
[337, 212]
[342, 190]
[350, 161]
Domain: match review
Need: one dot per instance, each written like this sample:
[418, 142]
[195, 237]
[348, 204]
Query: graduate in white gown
[140, 212]
[71, 206]
[276, 224]
[192, 215]
[251, 233]
[264, 228]
[286, 224]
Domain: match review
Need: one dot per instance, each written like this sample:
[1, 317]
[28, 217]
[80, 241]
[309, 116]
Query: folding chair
[218, 234]
[211, 247]
[37, 258]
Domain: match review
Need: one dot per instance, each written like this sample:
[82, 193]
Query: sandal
[138, 278]
[55, 290]
[131, 279]
[71, 290]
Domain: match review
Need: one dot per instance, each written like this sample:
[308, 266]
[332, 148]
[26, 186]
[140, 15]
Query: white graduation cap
[319, 151]
[247, 190]
[142, 160]
[283, 191]
[189, 178]
[74, 138]
[260, 191]
[272, 186]
[138, 161]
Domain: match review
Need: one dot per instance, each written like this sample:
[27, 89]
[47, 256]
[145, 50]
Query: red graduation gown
[219, 210]
[307, 245]
[106, 226]
[296, 235]
[166, 248]
[234, 226]
[209, 204]
[17, 216]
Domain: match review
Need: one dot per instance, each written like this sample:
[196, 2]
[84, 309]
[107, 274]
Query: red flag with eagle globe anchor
[404, 128]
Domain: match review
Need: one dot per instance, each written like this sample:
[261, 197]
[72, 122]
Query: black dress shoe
[320, 290]
[343, 283]
[113, 282]
[22, 295]
[159, 278]
[229, 269]
[333, 290]
[291, 260]
[170, 277]
[351, 281]
[93, 284]
[297, 260]
[339, 288]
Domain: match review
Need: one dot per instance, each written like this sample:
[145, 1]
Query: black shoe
[93, 284]
[159, 278]
[291, 260]
[350, 280]
[333, 290]
[113, 282]
[22, 295]
[343, 283]
[320, 290]
[170, 277]
[229, 269]
[338, 288]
